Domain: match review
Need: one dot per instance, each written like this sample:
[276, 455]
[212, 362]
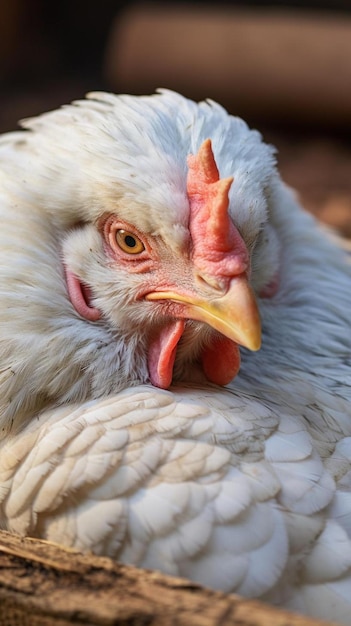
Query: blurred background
[284, 66]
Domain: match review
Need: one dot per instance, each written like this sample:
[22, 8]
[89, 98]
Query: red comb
[218, 247]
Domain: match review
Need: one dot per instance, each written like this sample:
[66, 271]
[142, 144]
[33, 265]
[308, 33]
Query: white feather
[245, 489]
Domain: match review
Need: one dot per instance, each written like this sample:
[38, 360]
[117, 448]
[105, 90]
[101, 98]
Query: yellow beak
[234, 314]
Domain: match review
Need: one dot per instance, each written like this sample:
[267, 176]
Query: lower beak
[234, 314]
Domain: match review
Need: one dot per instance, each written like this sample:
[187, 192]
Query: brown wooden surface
[42, 584]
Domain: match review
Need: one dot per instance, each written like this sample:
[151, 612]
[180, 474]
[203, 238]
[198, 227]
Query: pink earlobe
[80, 296]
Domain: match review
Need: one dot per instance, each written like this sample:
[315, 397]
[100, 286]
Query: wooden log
[42, 584]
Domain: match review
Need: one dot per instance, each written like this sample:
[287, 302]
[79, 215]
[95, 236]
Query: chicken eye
[129, 242]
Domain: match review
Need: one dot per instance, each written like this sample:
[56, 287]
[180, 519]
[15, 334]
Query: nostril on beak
[207, 282]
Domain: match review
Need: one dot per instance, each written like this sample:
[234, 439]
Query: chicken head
[208, 281]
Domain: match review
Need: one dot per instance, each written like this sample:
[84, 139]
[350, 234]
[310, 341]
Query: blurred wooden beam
[287, 66]
[42, 584]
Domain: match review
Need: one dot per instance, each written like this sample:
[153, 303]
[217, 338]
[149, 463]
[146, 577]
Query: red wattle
[221, 360]
[162, 353]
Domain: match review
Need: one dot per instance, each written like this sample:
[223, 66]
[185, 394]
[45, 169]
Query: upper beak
[234, 314]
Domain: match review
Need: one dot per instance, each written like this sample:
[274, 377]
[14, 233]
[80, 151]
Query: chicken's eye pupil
[130, 241]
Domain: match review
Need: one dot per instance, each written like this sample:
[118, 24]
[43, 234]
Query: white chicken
[142, 240]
